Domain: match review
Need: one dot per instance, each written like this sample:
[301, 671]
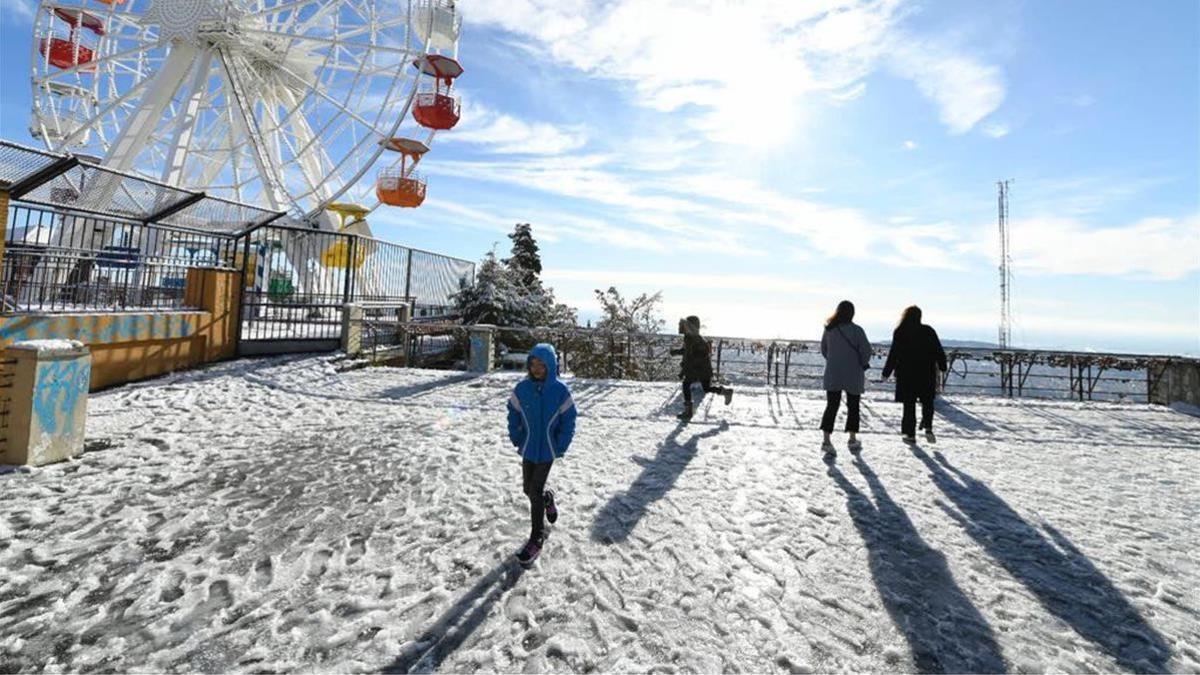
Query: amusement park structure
[284, 104]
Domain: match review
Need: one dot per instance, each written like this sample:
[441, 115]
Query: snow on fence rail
[596, 353]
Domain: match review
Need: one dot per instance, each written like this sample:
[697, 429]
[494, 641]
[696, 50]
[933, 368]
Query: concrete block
[48, 409]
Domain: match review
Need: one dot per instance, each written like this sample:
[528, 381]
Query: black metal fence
[57, 260]
[297, 281]
[798, 363]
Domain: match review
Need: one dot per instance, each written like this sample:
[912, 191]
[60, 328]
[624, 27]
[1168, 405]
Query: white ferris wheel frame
[236, 117]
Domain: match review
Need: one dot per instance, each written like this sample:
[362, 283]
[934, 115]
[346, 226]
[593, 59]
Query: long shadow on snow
[427, 652]
[617, 518]
[944, 630]
[1064, 580]
[415, 390]
[959, 417]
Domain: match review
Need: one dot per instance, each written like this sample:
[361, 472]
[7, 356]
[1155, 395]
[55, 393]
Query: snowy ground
[277, 515]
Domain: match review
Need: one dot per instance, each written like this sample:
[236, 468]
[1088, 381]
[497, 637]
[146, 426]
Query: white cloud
[852, 93]
[18, 12]
[1151, 248]
[501, 133]
[910, 145]
[677, 53]
[965, 90]
[673, 280]
[996, 129]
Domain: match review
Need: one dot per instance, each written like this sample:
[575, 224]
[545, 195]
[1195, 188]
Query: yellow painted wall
[136, 345]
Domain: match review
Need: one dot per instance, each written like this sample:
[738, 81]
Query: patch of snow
[279, 515]
[49, 346]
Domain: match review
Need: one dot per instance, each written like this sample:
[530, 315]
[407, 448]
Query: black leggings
[909, 419]
[534, 483]
[832, 400]
[706, 384]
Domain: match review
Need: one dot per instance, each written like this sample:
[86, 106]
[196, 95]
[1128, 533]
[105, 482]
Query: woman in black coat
[917, 358]
[696, 365]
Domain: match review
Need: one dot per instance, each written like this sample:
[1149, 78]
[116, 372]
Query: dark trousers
[833, 399]
[534, 483]
[706, 384]
[909, 421]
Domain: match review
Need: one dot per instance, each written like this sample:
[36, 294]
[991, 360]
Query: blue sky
[760, 161]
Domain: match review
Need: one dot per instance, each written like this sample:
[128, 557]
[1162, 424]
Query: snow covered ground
[279, 515]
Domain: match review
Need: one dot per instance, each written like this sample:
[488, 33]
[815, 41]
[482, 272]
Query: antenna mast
[1005, 271]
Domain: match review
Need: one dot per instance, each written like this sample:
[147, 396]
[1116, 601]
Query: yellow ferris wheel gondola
[352, 220]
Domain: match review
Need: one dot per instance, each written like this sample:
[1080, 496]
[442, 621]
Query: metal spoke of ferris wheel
[186, 122]
[247, 124]
[282, 102]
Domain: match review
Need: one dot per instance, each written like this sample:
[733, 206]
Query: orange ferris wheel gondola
[437, 108]
[401, 185]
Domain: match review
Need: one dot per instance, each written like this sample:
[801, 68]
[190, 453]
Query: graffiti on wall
[61, 385]
[97, 328]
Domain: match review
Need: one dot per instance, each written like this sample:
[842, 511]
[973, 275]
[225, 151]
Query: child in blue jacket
[541, 424]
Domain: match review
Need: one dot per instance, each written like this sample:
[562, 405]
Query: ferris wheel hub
[191, 20]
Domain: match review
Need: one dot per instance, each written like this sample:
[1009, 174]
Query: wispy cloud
[965, 90]
[501, 133]
[709, 282]
[664, 52]
[18, 12]
[996, 129]
[910, 145]
[1157, 248]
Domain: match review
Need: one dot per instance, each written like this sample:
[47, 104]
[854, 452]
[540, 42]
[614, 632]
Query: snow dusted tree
[639, 315]
[510, 293]
[494, 298]
[614, 350]
[525, 260]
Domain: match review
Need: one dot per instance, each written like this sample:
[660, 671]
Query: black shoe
[686, 415]
[728, 395]
[531, 550]
[551, 509]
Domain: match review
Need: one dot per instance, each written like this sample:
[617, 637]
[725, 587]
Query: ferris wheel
[283, 103]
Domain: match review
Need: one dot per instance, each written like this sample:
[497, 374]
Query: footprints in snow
[264, 573]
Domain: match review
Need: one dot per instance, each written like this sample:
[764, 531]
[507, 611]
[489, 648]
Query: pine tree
[494, 298]
[525, 260]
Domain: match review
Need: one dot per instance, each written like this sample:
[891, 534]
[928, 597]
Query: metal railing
[297, 281]
[1079, 376]
[57, 260]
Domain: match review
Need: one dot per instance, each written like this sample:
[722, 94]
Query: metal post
[347, 286]
[3, 225]
[787, 364]
[408, 279]
[241, 314]
[720, 345]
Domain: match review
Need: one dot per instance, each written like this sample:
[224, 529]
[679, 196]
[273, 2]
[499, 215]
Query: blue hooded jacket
[541, 415]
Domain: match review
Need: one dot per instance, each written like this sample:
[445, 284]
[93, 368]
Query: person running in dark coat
[696, 365]
[847, 353]
[917, 358]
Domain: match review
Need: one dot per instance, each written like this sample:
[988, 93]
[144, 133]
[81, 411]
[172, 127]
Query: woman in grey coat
[847, 355]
